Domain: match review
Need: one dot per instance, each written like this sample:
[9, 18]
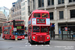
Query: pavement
[24, 45]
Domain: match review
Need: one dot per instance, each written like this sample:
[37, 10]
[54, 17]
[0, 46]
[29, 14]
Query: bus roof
[38, 11]
[12, 20]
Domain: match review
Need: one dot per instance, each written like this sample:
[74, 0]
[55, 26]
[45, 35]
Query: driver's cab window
[36, 14]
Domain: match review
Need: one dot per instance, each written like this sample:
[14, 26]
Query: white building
[24, 12]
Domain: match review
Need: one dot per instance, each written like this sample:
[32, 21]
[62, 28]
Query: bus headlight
[23, 36]
[33, 37]
[47, 37]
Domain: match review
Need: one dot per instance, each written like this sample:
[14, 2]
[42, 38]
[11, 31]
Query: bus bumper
[41, 38]
[19, 37]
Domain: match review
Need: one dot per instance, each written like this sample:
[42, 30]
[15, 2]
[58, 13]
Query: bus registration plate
[41, 41]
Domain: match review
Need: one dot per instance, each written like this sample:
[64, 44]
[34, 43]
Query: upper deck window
[37, 15]
[44, 15]
[19, 22]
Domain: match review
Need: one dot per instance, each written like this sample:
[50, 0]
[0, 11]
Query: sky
[7, 3]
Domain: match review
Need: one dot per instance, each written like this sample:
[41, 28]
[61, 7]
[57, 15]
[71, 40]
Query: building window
[51, 15]
[40, 3]
[28, 1]
[71, 0]
[13, 5]
[28, 9]
[23, 4]
[72, 13]
[60, 1]
[23, 13]
[33, 4]
[23, 8]
[50, 2]
[61, 14]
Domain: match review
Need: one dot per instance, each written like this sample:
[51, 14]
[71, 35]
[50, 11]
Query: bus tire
[10, 37]
[4, 38]
[28, 41]
[31, 41]
[48, 42]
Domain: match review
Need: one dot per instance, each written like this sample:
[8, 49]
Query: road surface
[24, 45]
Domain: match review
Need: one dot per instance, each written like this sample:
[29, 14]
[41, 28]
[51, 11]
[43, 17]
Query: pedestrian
[53, 35]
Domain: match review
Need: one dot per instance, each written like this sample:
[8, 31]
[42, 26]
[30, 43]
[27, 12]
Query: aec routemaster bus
[38, 27]
[8, 29]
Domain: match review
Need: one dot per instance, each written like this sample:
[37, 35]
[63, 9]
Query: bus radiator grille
[40, 38]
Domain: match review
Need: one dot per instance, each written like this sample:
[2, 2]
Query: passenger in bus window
[44, 15]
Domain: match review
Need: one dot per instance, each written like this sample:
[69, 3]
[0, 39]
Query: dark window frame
[51, 15]
[61, 14]
[72, 15]
[40, 3]
[71, 1]
[50, 2]
[33, 4]
[61, 1]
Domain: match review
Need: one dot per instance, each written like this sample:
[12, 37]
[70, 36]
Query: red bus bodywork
[7, 30]
[37, 26]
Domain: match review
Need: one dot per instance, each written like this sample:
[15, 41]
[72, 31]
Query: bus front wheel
[10, 37]
[48, 42]
[4, 38]
[31, 41]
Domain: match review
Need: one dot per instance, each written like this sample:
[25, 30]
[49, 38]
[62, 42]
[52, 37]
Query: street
[24, 45]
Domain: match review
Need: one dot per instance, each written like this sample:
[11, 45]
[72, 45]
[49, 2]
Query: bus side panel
[11, 34]
[2, 32]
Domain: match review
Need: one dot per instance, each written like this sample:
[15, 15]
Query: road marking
[41, 45]
[30, 45]
[35, 45]
[47, 45]
[25, 45]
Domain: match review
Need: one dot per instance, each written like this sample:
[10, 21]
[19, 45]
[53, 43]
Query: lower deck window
[44, 29]
[36, 29]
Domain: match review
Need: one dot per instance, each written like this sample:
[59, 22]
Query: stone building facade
[62, 14]
[2, 19]
[16, 10]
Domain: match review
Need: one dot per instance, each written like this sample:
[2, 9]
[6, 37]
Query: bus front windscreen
[36, 29]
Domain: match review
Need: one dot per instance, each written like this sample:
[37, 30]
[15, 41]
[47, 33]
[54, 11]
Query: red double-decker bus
[38, 27]
[8, 29]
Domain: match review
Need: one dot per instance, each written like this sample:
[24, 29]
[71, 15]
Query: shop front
[67, 31]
